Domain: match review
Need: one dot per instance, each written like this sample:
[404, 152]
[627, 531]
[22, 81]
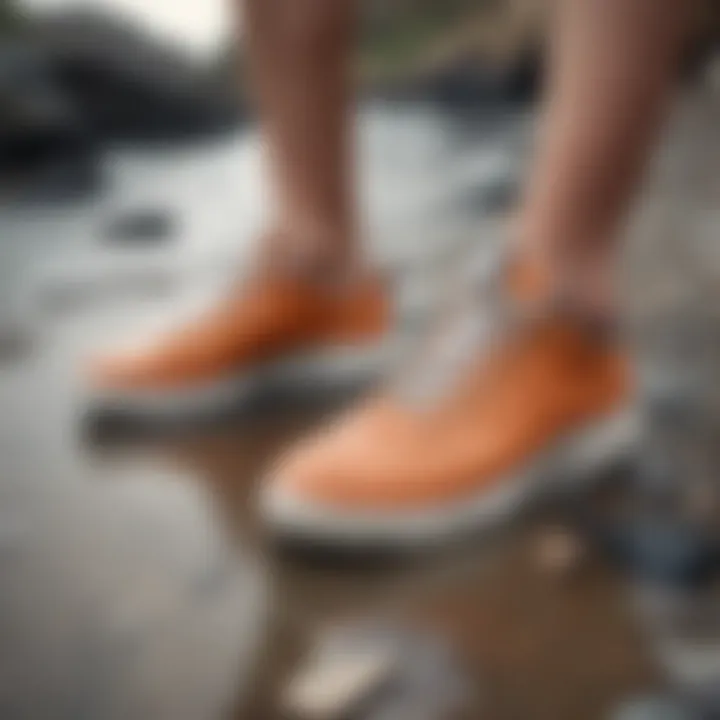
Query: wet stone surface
[137, 559]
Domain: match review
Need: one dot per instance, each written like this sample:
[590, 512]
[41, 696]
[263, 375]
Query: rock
[662, 550]
[46, 149]
[429, 686]
[130, 87]
[33, 103]
[682, 626]
[334, 684]
[496, 198]
[139, 226]
[376, 672]
[62, 177]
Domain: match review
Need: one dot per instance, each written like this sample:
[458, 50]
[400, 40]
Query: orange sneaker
[279, 326]
[497, 413]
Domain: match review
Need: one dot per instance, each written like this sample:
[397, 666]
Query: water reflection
[123, 598]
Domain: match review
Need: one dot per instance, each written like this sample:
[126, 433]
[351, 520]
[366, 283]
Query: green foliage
[397, 33]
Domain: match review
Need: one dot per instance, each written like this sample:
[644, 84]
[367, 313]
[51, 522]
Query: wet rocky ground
[136, 581]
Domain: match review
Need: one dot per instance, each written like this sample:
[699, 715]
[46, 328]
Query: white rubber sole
[330, 369]
[574, 460]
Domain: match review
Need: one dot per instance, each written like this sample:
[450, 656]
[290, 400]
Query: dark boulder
[130, 86]
[141, 226]
[44, 140]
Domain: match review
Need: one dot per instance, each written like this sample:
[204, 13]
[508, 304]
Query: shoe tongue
[474, 315]
[518, 281]
[493, 301]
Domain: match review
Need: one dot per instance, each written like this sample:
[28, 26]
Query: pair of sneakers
[506, 398]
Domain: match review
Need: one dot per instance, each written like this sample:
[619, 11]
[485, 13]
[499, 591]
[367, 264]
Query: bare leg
[537, 384]
[612, 69]
[300, 61]
[300, 64]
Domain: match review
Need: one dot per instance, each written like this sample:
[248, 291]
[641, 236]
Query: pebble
[560, 551]
[376, 672]
[334, 685]
[495, 198]
[662, 550]
[140, 226]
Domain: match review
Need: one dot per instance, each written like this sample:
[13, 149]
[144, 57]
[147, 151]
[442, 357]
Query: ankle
[580, 277]
[588, 284]
[319, 257]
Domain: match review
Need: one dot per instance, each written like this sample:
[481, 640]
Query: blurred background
[134, 581]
